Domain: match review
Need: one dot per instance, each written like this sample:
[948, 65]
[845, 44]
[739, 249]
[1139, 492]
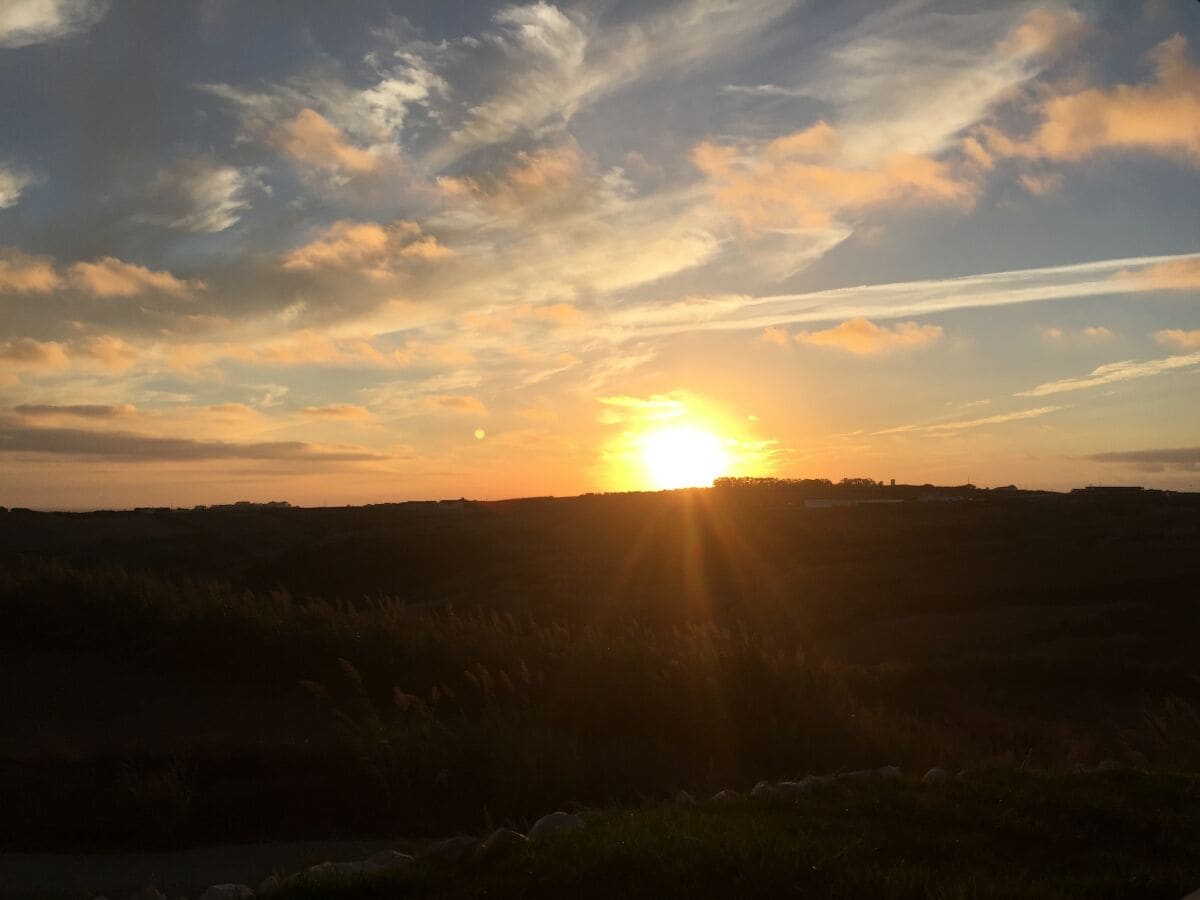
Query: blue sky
[358, 252]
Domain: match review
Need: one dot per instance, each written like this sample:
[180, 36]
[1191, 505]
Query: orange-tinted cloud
[456, 403]
[313, 140]
[534, 181]
[863, 337]
[796, 181]
[369, 246]
[110, 277]
[1175, 275]
[111, 352]
[1177, 337]
[1160, 117]
[24, 274]
[342, 412]
[27, 353]
[1043, 31]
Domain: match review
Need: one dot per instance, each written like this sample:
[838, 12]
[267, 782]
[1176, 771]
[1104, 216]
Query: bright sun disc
[683, 457]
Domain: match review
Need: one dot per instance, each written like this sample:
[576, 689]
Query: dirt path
[60, 876]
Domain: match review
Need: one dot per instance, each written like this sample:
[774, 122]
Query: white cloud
[894, 300]
[1111, 373]
[965, 424]
[13, 182]
[26, 22]
[200, 195]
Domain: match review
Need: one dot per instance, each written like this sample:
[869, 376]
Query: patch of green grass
[1000, 834]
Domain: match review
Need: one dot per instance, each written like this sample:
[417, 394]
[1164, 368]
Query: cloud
[622, 408]
[1160, 117]
[538, 183]
[1182, 459]
[864, 338]
[24, 274]
[1038, 185]
[124, 446]
[110, 351]
[890, 300]
[312, 140]
[27, 353]
[200, 195]
[1092, 333]
[965, 424]
[374, 248]
[545, 64]
[1044, 31]
[27, 22]
[110, 277]
[342, 412]
[1177, 337]
[798, 181]
[1111, 373]
[776, 336]
[456, 403]
[78, 410]
[1172, 275]
[13, 182]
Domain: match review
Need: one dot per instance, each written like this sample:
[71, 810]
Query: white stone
[890, 772]
[227, 892]
[269, 885]
[683, 798]
[724, 799]
[764, 790]
[554, 823]
[936, 775]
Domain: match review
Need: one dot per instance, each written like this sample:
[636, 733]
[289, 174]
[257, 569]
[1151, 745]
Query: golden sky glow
[549, 248]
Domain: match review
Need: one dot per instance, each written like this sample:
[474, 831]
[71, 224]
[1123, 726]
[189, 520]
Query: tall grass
[425, 718]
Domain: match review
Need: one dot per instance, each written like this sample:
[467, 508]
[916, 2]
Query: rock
[499, 842]
[269, 885]
[764, 790]
[892, 773]
[805, 786]
[1107, 765]
[683, 798]
[936, 776]
[389, 859]
[227, 892]
[555, 823]
[451, 849]
[725, 799]
[331, 870]
[858, 774]
[148, 893]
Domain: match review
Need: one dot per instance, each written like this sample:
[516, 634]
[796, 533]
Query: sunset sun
[683, 456]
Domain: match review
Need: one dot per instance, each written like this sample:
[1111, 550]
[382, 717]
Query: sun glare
[684, 456]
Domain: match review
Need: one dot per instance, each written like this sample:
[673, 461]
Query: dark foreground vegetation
[174, 679]
[996, 834]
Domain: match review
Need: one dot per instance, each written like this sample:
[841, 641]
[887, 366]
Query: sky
[367, 251]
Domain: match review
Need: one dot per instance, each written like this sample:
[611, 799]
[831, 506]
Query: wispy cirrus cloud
[1112, 373]
[954, 425]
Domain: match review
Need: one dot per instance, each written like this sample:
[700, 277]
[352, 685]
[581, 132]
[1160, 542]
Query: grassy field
[993, 834]
[182, 679]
